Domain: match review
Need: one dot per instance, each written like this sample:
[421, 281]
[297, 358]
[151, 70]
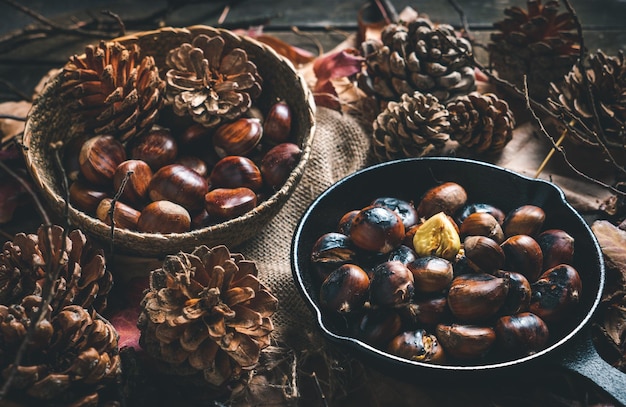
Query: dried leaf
[296, 55]
[338, 64]
[614, 320]
[125, 323]
[8, 127]
[612, 242]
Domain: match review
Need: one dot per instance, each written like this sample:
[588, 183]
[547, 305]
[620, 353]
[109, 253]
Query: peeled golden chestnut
[391, 285]
[237, 138]
[521, 334]
[418, 346]
[448, 197]
[124, 216]
[523, 255]
[404, 209]
[437, 236]
[99, 157]
[377, 327]
[164, 217]
[157, 148]
[481, 224]
[178, 184]
[234, 172]
[344, 224]
[477, 297]
[557, 247]
[465, 341]
[524, 220]
[138, 175]
[431, 273]
[278, 163]
[345, 290]
[483, 253]
[556, 292]
[470, 208]
[330, 251]
[85, 197]
[518, 297]
[228, 203]
[377, 229]
[277, 124]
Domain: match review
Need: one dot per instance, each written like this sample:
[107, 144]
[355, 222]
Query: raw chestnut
[228, 203]
[518, 298]
[164, 217]
[99, 157]
[404, 209]
[483, 253]
[391, 285]
[477, 297]
[556, 292]
[138, 175]
[234, 172]
[377, 229]
[278, 163]
[345, 289]
[481, 224]
[523, 255]
[418, 346]
[330, 251]
[521, 334]
[157, 148]
[557, 247]
[431, 273]
[448, 197]
[180, 185]
[524, 220]
[465, 341]
[470, 208]
[277, 124]
[85, 197]
[237, 138]
[437, 236]
[124, 216]
[194, 163]
[378, 327]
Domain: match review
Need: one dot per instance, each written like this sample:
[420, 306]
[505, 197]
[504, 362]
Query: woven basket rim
[125, 237]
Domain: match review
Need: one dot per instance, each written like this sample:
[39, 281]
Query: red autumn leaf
[336, 65]
[125, 323]
[326, 96]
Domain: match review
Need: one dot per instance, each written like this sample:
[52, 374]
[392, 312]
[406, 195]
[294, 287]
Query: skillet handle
[581, 357]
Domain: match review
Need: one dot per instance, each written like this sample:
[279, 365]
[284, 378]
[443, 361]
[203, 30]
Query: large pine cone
[418, 57]
[113, 91]
[72, 355]
[210, 82]
[539, 43]
[414, 127]
[83, 278]
[607, 79]
[481, 123]
[207, 312]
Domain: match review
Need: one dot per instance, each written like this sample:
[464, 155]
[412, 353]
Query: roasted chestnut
[403, 254]
[391, 285]
[377, 229]
[418, 346]
[137, 175]
[465, 341]
[426, 310]
[157, 148]
[277, 124]
[345, 222]
[99, 157]
[278, 163]
[330, 251]
[518, 298]
[437, 236]
[228, 203]
[377, 327]
[164, 217]
[404, 209]
[431, 274]
[557, 247]
[345, 290]
[524, 220]
[555, 292]
[448, 197]
[179, 184]
[85, 197]
[483, 253]
[238, 137]
[470, 208]
[124, 216]
[477, 297]
[523, 255]
[234, 172]
[521, 334]
[481, 224]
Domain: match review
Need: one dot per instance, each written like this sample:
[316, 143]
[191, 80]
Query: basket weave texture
[49, 122]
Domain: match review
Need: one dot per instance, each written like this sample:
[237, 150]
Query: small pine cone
[83, 279]
[207, 312]
[607, 79]
[419, 57]
[113, 91]
[73, 354]
[481, 123]
[211, 82]
[414, 127]
[538, 42]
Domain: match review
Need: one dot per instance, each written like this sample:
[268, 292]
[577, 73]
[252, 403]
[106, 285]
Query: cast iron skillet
[408, 179]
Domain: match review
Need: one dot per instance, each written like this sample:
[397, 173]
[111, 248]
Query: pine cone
[72, 355]
[418, 57]
[210, 82]
[414, 127]
[83, 278]
[539, 43]
[207, 312]
[607, 78]
[113, 91]
[481, 123]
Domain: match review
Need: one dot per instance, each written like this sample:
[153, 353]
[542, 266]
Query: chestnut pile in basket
[446, 280]
[173, 179]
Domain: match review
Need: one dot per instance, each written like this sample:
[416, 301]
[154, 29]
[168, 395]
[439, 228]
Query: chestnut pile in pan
[445, 280]
[173, 179]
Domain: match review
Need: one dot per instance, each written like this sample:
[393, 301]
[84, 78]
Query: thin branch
[387, 10]
[111, 213]
[38, 205]
[12, 117]
[15, 90]
[314, 40]
[118, 19]
[462, 16]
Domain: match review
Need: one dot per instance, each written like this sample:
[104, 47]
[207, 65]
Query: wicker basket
[49, 121]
